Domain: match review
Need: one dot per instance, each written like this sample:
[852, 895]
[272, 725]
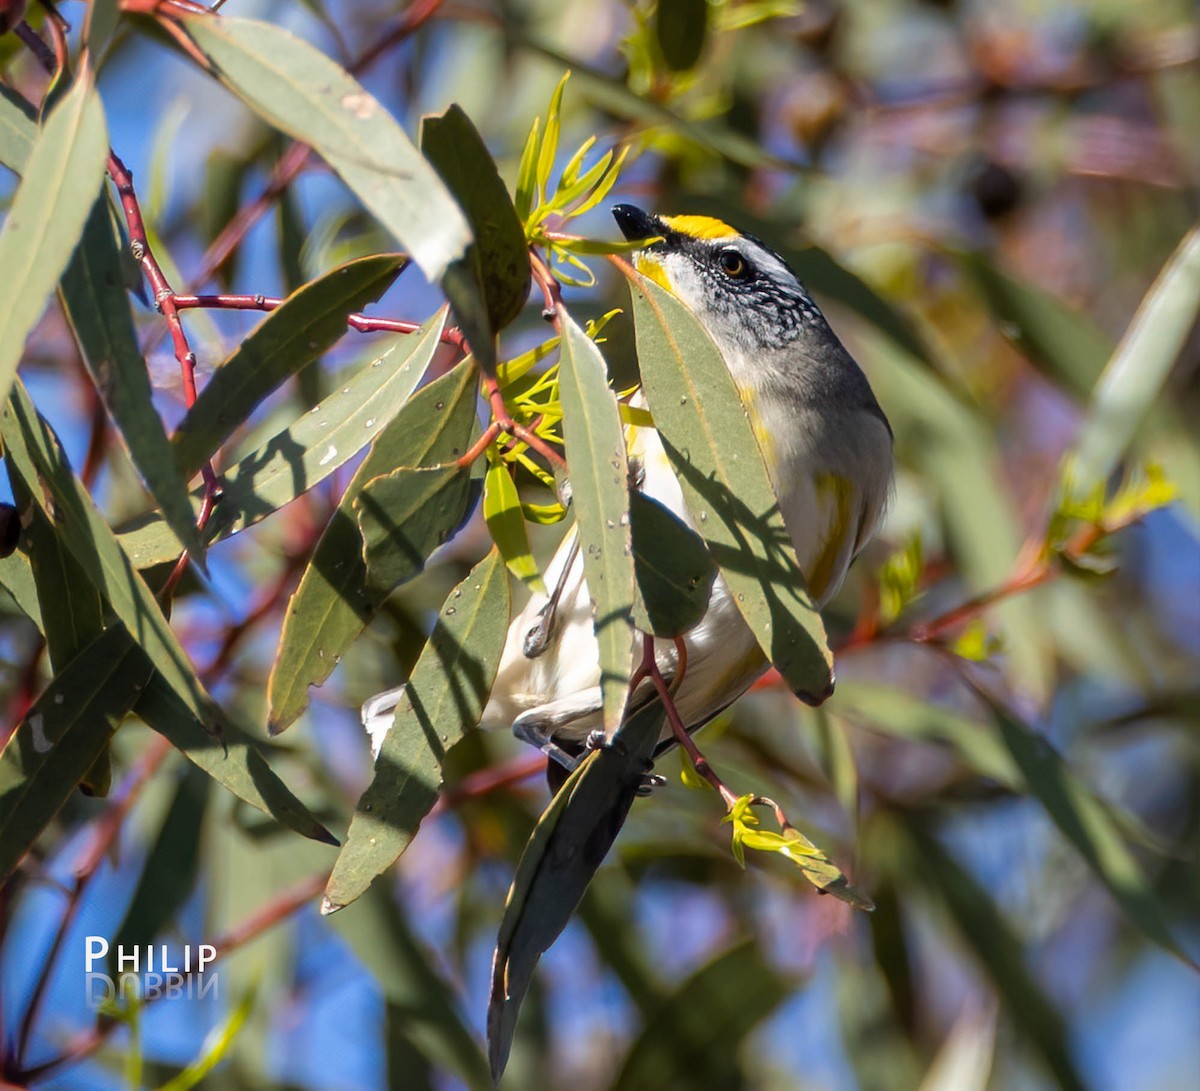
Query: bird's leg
[538, 638]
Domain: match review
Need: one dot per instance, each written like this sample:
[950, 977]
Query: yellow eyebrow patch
[652, 269]
[699, 227]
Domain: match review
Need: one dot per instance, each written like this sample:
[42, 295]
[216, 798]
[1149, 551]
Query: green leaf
[334, 600]
[18, 129]
[16, 577]
[97, 306]
[405, 515]
[1086, 821]
[217, 1044]
[681, 27]
[1138, 370]
[61, 177]
[443, 700]
[291, 336]
[612, 94]
[69, 608]
[701, 1027]
[384, 942]
[549, 147]
[457, 151]
[792, 845]
[1060, 341]
[920, 862]
[35, 453]
[174, 702]
[235, 760]
[709, 440]
[505, 520]
[527, 173]
[595, 449]
[674, 570]
[169, 873]
[300, 91]
[61, 737]
[567, 846]
[300, 456]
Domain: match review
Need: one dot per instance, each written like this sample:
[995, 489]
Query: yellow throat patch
[651, 268]
[699, 227]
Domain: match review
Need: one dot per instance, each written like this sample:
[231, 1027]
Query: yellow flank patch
[840, 491]
[651, 268]
[699, 227]
[766, 441]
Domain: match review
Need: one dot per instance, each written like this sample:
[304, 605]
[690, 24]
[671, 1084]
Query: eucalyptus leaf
[18, 129]
[695, 1035]
[303, 454]
[299, 330]
[457, 151]
[405, 515]
[567, 846]
[61, 737]
[443, 699]
[596, 460]
[174, 701]
[674, 570]
[1138, 371]
[335, 600]
[300, 91]
[61, 175]
[711, 445]
[96, 304]
[681, 27]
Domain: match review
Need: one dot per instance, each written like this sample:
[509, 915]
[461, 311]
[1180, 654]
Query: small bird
[828, 450]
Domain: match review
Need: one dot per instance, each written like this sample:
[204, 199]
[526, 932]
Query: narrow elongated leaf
[302, 455]
[169, 872]
[18, 129]
[289, 338]
[681, 27]
[595, 448]
[1086, 821]
[70, 609]
[613, 94]
[674, 570]
[235, 760]
[35, 453]
[405, 515]
[501, 257]
[96, 304]
[1138, 370]
[61, 737]
[443, 700]
[16, 577]
[334, 600]
[300, 91]
[694, 1037]
[979, 746]
[1063, 343]
[917, 855]
[567, 846]
[506, 523]
[61, 176]
[382, 938]
[711, 444]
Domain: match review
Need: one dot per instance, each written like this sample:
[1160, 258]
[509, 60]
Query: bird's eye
[732, 263]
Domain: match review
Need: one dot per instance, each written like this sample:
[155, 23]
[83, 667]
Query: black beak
[636, 224]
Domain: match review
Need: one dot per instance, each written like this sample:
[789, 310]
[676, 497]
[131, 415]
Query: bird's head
[744, 293]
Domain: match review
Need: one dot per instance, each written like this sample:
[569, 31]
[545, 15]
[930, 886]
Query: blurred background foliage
[980, 195]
